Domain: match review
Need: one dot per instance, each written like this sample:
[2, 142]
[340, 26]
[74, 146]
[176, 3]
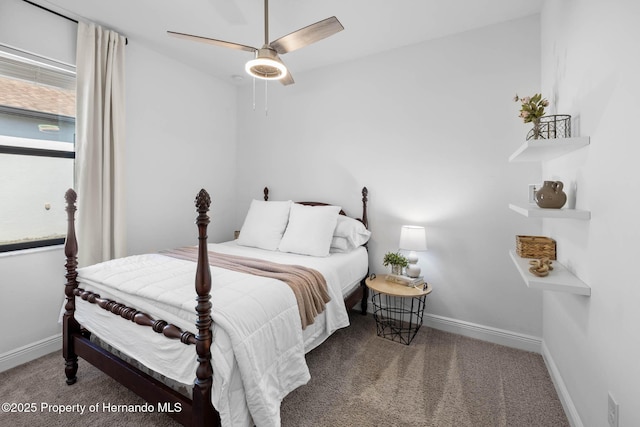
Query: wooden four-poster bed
[196, 409]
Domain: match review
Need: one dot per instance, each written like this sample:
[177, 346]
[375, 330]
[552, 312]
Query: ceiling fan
[267, 64]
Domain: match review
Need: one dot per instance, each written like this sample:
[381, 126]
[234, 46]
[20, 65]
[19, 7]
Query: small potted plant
[396, 260]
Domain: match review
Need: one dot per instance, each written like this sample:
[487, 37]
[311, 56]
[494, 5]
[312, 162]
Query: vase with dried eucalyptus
[531, 109]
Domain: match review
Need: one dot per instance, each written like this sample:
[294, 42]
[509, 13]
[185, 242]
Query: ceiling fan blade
[213, 41]
[307, 35]
[288, 79]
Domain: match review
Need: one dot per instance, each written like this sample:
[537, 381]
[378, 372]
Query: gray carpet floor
[358, 379]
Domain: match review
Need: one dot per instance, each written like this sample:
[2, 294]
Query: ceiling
[371, 26]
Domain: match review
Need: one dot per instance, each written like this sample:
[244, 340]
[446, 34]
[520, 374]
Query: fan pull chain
[266, 101]
[254, 94]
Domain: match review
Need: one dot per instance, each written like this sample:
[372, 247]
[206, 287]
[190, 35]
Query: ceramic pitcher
[551, 195]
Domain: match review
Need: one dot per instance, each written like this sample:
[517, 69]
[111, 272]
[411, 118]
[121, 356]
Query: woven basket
[535, 247]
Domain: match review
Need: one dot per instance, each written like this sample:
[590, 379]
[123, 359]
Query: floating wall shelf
[533, 211]
[539, 150]
[559, 279]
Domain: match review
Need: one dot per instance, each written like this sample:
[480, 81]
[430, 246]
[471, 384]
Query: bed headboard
[363, 219]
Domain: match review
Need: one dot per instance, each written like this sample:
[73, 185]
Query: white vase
[412, 270]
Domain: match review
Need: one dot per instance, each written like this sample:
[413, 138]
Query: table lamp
[413, 238]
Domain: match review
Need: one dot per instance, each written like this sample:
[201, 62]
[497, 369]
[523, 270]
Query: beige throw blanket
[307, 284]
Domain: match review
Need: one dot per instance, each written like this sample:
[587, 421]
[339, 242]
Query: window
[37, 135]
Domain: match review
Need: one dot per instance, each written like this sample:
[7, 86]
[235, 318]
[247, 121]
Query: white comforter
[258, 347]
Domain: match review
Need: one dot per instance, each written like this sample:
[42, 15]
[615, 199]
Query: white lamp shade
[413, 238]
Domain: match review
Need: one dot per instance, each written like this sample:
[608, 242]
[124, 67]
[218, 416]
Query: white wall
[590, 67]
[428, 129]
[31, 295]
[180, 138]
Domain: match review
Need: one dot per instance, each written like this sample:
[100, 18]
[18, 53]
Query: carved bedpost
[266, 194]
[69, 324]
[365, 221]
[365, 193]
[203, 413]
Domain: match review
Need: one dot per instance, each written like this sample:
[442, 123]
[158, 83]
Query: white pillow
[353, 230]
[264, 224]
[310, 230]
[340, 245]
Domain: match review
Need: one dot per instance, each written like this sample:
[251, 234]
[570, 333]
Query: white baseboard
[563, 394]
[30, 352]
[484, 333]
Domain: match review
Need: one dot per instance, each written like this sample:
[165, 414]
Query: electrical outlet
[612, 413]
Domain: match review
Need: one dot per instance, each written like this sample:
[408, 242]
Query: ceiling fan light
[266, 69]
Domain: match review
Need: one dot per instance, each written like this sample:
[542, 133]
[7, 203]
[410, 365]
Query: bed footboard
[198, 411]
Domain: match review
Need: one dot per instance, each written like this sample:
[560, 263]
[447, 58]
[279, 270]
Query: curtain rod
[126, 40]
[50, 11]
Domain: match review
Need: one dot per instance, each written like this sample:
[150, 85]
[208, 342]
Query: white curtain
[100, 138]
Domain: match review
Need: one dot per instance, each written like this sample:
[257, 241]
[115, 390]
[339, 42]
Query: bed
[259, 309]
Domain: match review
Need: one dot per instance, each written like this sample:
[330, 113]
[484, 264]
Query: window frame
[32, 151]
